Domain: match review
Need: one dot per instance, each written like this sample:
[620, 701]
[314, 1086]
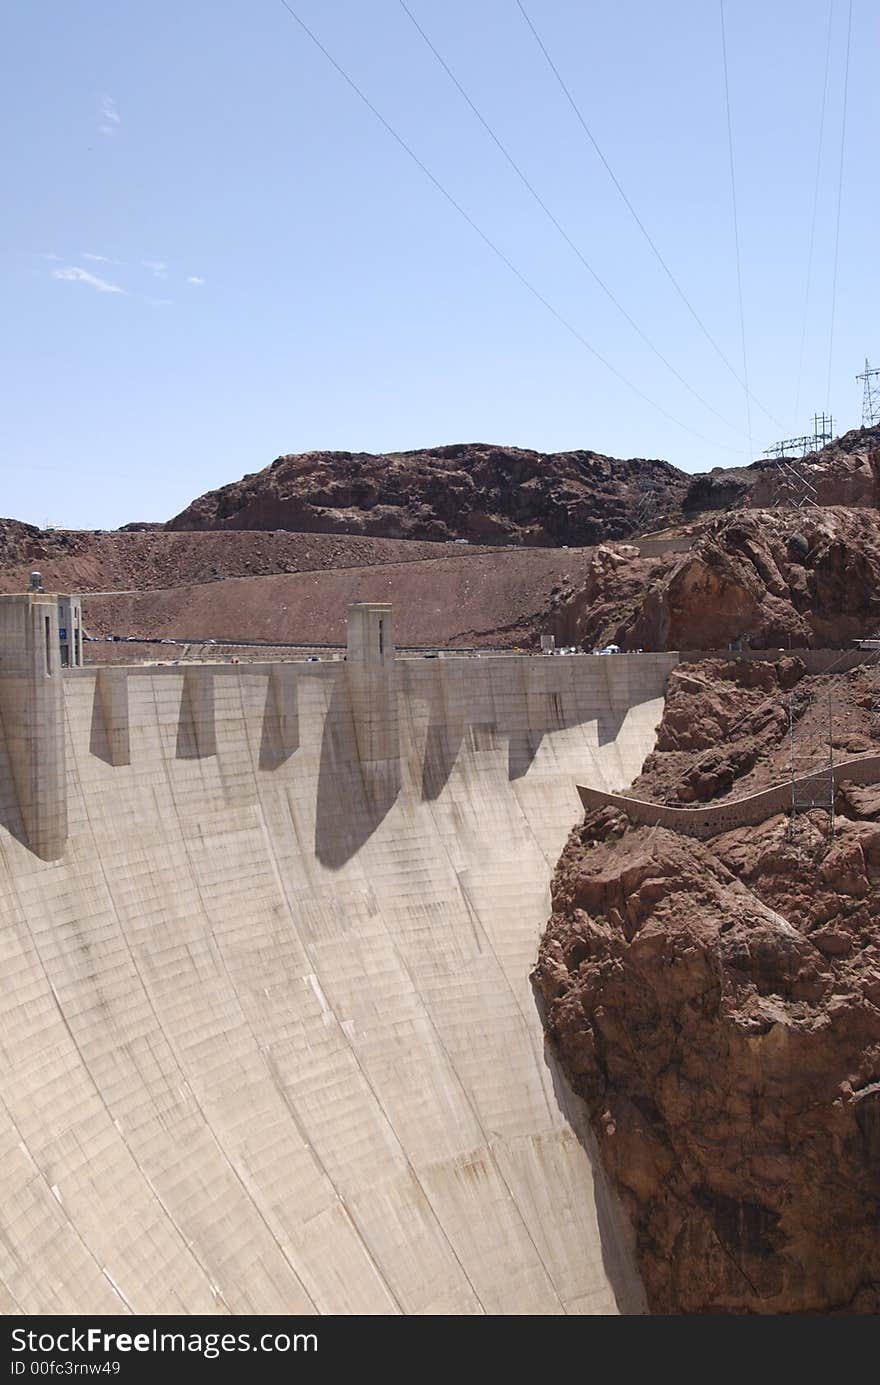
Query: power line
[800, 369]
[634, 214]
[495, 249]
[839, 200]
[739, 288]
[554, 221]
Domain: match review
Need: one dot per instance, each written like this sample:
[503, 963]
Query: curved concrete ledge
[723, 817]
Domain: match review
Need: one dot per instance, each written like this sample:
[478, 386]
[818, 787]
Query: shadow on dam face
[11, 820]
[442, 746]
[354, 795]
[270, 1043]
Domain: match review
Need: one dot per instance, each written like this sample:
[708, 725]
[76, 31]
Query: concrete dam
[269, 1039]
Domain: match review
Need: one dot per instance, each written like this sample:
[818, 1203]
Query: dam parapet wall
[508, 701]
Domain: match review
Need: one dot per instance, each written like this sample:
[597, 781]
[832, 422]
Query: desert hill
[732, 560]
[477, 491]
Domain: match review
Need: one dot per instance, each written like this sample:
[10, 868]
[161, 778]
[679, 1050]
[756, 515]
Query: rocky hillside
[717, 1005]
[472, 491]
[772, 578]
[845, 472]
[489, 494]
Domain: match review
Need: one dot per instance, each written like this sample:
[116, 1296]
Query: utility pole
[870, 378]
[823, 431]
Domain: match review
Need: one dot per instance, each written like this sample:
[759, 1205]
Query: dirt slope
[81, 560]
[499, 599]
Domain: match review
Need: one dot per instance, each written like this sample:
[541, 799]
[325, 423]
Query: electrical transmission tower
[651, 509]
[870, 378]
[794, 485]
[811, 757]
[823, 431]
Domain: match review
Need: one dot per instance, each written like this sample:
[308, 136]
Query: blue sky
[214, 253]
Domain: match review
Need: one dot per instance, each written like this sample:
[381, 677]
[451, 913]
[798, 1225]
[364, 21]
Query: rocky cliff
[717, 1005]
[772, 578]
[846, 472]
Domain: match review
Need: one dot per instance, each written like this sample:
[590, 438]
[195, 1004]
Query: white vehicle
[609, 649]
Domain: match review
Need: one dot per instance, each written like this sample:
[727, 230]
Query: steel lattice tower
[870, 377]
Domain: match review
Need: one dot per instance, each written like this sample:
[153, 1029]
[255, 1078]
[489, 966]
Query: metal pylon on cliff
[811, 757]
[870, 378]
[648, 509]
[795, 487]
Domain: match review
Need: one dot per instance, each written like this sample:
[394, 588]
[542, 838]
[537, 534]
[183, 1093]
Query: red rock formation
[717, 1005]
[474, 491]
[846, 472]
[772, 578]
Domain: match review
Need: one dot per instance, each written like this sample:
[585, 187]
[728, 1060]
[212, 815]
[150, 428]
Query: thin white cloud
[76, 275]
[157, 268]
[98, 259]
[195, 279]
[110, 118]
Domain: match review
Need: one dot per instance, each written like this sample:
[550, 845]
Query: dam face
[269, 1041]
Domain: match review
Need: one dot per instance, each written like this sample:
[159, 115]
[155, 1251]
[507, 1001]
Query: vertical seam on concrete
[77, 1234]
[273, 1075]
[230, 1161]
[286, 1098]
[42, 967]
[472, 1108]
[369, 1084]
[188, 1246]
